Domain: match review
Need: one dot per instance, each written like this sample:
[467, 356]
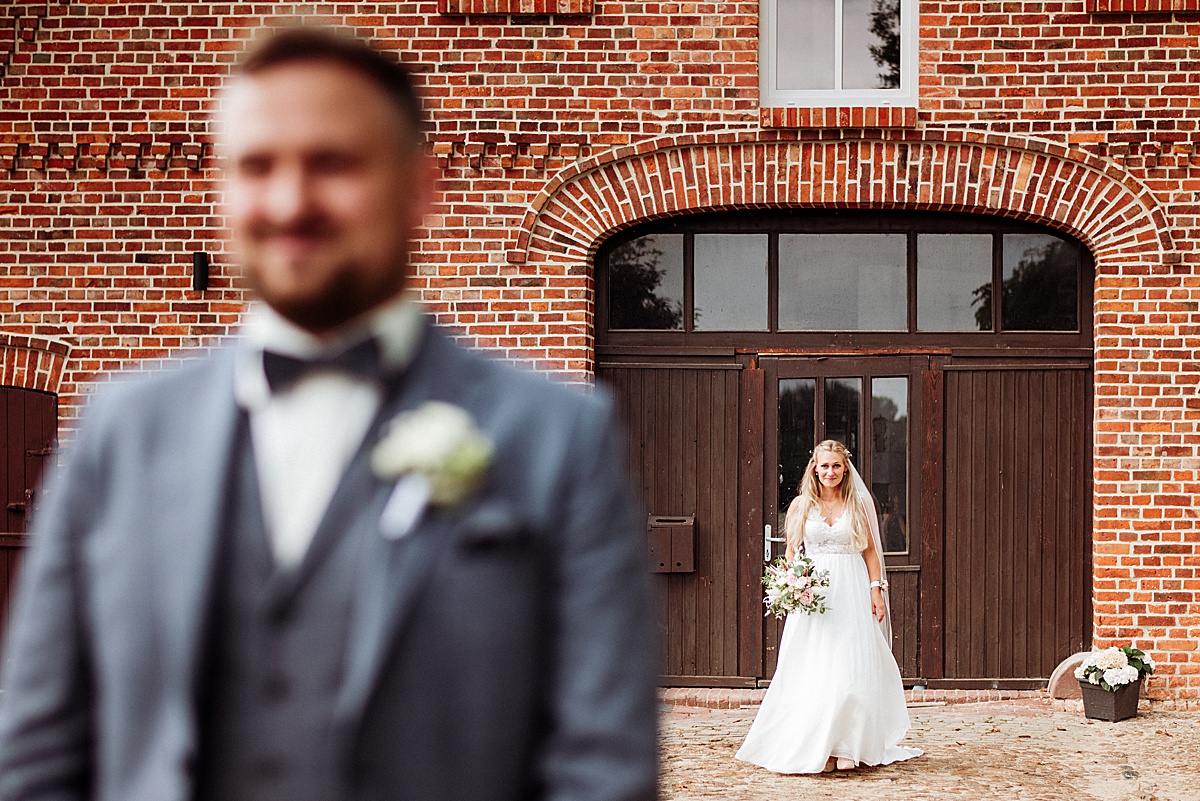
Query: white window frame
[772, 96]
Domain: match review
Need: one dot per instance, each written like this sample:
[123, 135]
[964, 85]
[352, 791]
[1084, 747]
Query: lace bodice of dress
[820, 537]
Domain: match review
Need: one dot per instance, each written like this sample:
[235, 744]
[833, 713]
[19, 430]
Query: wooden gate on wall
[995, 584]
[959, 346]
[683, 455]
[1017, 478]
[28, 425]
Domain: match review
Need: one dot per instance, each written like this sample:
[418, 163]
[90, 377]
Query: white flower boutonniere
[437, 455]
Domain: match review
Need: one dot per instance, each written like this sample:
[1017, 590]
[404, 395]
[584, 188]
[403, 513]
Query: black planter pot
[1100, 704]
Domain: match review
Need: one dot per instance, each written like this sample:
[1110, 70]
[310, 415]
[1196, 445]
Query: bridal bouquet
[794, 586]
[1114, 667]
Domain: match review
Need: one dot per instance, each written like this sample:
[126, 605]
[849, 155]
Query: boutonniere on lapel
[437, 457]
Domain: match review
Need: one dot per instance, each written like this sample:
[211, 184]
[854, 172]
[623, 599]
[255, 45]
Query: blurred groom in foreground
[341, 558]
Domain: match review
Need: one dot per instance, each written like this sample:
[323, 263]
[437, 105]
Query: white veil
[868, 502]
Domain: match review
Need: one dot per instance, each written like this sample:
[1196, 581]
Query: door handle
[22, 506]
[768, 551]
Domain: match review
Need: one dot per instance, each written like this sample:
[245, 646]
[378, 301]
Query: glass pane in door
[843, 410]
[797, 435]
[889, 460]
[954, 282]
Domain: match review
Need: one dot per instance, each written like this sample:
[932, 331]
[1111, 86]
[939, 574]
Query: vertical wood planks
[682, 423]
[751, 518]
[1017, 472]
[11, 548]
[933, 608]
[28, 423]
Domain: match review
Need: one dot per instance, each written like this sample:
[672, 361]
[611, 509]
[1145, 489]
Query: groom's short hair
[302, 43]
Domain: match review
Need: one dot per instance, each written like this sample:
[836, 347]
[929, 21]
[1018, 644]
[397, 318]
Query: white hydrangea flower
[1111, 658]
[1079, 671]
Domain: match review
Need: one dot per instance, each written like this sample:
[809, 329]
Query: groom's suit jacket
[501, 649]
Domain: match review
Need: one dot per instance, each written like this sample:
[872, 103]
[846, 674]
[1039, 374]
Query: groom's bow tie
[363, 360]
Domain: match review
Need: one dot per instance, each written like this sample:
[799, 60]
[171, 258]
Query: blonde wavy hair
[810, 496]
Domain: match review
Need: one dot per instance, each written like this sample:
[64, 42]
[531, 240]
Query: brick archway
[1086, 198]
[1066, 189]
[29, 362]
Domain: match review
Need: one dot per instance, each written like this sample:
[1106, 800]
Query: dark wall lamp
[199, 270]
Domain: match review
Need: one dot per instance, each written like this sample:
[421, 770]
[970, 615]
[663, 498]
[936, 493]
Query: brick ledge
[538, 7]
[1141, 6]
[838, 117]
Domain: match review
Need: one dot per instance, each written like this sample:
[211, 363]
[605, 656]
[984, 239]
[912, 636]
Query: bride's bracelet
[880, 583]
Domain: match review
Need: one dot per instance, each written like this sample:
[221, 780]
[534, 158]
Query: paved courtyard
[1021, 749]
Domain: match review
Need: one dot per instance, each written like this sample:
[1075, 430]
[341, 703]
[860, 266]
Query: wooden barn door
[1017, 520]
[873, 406]
[28, 423]
[683, 455]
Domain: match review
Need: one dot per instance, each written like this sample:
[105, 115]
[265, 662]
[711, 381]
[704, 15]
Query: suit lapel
[392, 573]
[188, 495]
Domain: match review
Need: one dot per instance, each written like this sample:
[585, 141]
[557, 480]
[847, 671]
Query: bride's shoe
[845, 764]
[829, 765]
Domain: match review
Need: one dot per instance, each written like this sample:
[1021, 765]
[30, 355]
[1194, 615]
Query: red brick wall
[554, 131]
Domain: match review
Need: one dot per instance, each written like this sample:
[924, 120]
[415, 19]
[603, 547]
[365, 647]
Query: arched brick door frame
[1114, 215]
[29, 362]
[1092, 199]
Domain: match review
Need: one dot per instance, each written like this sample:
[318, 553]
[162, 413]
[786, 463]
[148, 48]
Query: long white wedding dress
[836, 689]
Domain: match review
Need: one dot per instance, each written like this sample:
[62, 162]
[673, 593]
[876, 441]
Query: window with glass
[835, 52]
[954, 281]
[889, 459]
[830, 282]
[645, 283]
[872, 276]
[813, 409]
[730, 282]
[1039, 283]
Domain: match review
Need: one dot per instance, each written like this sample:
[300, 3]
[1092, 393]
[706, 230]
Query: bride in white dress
[836, 699]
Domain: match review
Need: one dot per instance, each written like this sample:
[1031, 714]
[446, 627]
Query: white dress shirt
[305, 434]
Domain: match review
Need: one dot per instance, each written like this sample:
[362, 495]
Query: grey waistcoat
[276, 640]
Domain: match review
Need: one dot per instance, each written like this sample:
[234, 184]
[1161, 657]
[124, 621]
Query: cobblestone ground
[998, 750]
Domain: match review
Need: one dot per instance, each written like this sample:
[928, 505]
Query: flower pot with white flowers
[1111, 681]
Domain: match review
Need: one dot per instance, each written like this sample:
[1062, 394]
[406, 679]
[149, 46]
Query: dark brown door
[683, 454]
[28, 422]
[1017, 498]
[901, 303]
[872, 406]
